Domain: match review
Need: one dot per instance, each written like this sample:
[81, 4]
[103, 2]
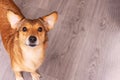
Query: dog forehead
[32, 23]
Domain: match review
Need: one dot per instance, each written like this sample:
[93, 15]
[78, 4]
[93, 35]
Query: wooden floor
[84, 45]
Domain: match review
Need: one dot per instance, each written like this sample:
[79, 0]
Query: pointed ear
[13, 18]
[51, 19]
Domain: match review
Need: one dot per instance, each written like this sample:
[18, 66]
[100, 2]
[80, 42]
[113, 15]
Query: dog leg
[35, 76]
[18, 76]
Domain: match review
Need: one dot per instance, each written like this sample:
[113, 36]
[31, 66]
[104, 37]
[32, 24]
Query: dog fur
[16, 41]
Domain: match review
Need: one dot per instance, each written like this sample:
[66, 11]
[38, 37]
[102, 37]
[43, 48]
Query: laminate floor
[84, 45]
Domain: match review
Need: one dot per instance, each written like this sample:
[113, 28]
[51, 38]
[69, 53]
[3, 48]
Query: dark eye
[24, 29]
[40, 29]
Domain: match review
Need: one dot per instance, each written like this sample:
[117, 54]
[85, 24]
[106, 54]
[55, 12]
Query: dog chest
[32, 57]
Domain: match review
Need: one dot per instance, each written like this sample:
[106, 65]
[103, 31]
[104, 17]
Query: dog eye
[40, 29]
[24, 29]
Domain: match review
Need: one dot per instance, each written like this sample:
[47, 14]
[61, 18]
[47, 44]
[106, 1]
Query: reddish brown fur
[13, 39]
[7, 33]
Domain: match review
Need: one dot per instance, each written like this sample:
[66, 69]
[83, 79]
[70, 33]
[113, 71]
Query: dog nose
[32, 39]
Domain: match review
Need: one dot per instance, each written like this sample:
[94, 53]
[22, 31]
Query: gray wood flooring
[84, 45]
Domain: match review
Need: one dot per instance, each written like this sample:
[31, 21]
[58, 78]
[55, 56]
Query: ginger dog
[24, 39]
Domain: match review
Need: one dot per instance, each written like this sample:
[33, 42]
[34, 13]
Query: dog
[24, 39]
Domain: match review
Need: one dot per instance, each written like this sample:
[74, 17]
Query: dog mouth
[31, 45]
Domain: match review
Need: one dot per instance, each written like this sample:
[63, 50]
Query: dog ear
[51, 19]
[13, 18]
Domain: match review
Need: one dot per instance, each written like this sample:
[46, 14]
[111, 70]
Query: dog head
[31, 33]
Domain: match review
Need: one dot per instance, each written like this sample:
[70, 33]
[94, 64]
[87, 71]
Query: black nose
[32, 39]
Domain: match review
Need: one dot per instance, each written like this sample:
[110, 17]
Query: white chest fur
[32, 56]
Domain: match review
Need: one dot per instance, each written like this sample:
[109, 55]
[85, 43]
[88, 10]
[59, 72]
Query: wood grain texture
[84, 45]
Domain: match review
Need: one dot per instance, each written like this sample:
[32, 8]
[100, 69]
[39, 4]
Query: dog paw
[35, 76]
[20, 78]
